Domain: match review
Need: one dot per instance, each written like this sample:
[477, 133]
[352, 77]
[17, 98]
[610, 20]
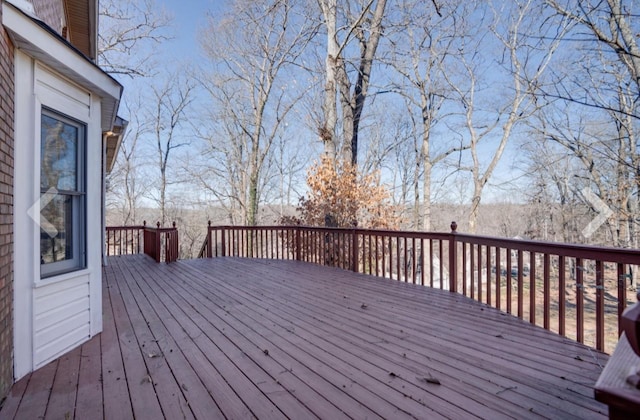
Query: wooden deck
[240, 338]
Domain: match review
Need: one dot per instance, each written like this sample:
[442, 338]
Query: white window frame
[78, 203]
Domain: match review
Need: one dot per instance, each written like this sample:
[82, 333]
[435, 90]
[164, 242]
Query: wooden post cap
[630, 321]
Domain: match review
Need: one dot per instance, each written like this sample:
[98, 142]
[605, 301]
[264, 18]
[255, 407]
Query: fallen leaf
[393, 375]
[430, 380]
[265, 351]
[363, 306]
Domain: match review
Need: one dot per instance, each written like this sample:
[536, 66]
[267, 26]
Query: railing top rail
[125, 227]
[623, 255]
[381, 232]
[140, 227]
[169, 229]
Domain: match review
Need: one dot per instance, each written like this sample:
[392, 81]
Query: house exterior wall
[53, 314]
[6, 211]
[52, 311]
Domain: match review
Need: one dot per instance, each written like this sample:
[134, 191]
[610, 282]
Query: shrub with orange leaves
[340, 196]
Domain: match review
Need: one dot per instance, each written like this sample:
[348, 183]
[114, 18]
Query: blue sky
[189, 16]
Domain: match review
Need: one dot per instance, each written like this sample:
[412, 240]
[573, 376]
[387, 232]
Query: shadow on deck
[240, 338]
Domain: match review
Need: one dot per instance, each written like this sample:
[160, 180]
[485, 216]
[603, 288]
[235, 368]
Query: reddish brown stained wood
[520, 285]
[441, 265]
[547, 298]
[219, 345]
[448, 353]
[34, 402]
[599, 305]
[561, 297]
[384, 256]
[186, 379]
[612, 388]
[423, 267]
[65, 385]
[488, 272]
[498, 279]
[622, 293]
[275, 339]
[11, 404]
[472, 269]
[169, 393]
[397, 255]
[479, 271]
[509, 283]
[114, 379]
[579, 299]
[134, 358]
[214, 368]
[89, 403]
[430, 262]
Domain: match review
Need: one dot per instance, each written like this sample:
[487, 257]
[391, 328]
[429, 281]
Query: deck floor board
[65, 386]
[242, 338]
[394, 327]
[385, 364]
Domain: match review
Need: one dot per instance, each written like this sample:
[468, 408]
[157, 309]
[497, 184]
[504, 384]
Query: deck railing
[161, 244]
[577, 291]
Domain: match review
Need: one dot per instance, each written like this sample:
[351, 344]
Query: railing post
[209, 241]
[622, 293]
[144, 226]
[354, 250]
[453, 259]
[298, 245]
[223, 240]
[171, 244]
[157, 243]
[600, 305]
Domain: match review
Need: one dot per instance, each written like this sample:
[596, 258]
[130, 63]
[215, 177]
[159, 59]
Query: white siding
[55, 314]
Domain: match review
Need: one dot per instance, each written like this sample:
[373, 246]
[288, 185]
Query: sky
[189, 16]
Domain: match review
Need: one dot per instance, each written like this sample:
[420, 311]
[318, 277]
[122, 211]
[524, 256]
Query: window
[62, 194]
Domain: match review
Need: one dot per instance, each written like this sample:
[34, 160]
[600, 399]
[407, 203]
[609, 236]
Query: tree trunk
[329, 107]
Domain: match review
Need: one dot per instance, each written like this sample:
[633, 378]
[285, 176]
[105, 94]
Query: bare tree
[343, 27]
[422, 39]
[604, 80]
[251, 50]
[168, 114]
[516, 28]
[610, 24]
[554, 179]
[129, 31]
[126, 185]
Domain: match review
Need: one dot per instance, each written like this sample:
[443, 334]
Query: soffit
[81, 25]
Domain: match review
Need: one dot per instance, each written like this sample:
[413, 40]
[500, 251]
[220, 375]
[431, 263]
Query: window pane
[59, 154]
[56, 229]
